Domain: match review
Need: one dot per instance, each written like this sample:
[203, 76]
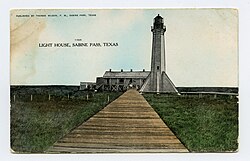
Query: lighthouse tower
[158, 80]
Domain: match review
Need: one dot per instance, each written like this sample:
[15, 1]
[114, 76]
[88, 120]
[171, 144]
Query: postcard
[124, 80]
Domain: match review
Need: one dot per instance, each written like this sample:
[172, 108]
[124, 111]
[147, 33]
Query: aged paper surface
[183, 62]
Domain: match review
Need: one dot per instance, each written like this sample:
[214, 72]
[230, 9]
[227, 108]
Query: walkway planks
[127, 125]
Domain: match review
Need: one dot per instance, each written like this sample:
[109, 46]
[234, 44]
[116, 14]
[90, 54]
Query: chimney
[110, 70]
[121, 70]
[143, 70]
[131, 70]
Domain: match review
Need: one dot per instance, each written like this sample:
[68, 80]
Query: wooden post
[31, 97]
[68, 96]
[215, 95]
[231, 96]
[200, 95]
[117, 85]
[110, 82]
[87, 97]
[49, 97]
[14, 98]
[108, 98]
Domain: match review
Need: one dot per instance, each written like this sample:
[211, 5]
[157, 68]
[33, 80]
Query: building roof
[126, 74]
[86, 83]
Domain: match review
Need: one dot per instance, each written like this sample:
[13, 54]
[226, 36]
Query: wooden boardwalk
[127, 125]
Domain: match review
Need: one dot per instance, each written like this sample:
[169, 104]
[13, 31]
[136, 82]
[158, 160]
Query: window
[158, 67]
[121, 80]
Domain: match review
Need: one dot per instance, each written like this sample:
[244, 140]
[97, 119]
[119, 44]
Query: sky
[201, 45]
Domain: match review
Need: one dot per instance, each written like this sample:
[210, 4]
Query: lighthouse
[158, 80]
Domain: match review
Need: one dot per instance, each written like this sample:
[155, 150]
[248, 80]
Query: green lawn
[36, 125]
[202, 124]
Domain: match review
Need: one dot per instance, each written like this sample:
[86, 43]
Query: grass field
[202, 124]
[36, 125]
